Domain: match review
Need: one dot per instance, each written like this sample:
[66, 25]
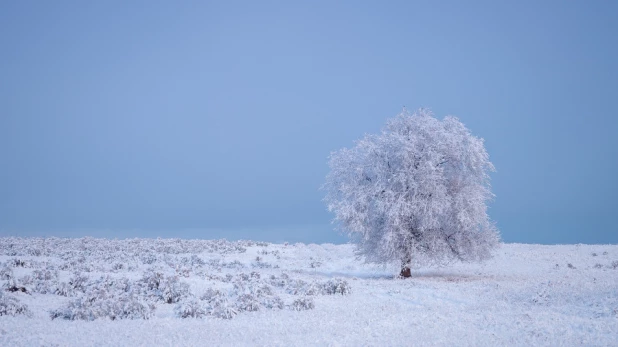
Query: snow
[524, 295]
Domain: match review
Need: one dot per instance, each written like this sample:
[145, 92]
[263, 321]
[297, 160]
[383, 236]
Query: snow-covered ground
[135, 292]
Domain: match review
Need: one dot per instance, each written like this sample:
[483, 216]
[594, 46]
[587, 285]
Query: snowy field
[170, 292]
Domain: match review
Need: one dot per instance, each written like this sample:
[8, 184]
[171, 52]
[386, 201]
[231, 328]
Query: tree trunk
[405, 268]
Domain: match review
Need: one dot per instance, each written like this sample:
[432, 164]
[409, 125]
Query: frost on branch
[415, 194]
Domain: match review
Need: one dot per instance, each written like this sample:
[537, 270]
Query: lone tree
[415, 194]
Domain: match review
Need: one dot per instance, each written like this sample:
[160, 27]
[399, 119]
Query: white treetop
[415, 193]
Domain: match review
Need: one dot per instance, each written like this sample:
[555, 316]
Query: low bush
[304, 303]
[10, 306]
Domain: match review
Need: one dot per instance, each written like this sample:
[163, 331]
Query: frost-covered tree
[415, 194]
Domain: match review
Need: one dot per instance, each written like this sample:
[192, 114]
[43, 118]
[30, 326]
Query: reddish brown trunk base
[405, 272]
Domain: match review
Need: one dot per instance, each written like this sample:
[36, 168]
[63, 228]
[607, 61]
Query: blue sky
[215, 119]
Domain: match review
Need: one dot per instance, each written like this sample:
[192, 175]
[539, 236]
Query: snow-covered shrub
[215, 264]
[26, 280]
[336, 286]
[223, 310]
[232, 248]
[44, 275]
[104, 297]
[64, 289]
[279, 281]
[193, 261]
[291, 286]
[263, 290]
[261, 264]
[6, 273]
[247, 302]
[164, 288]
[218, 305]
[272, 302]
[314, 263]
[10, 306]
[173, 291]
[15, 262]
[614, 264]
[251, 293]
[91, 307]
[313, 288]
[78, 281]
[233, 265]
[183, 271]
[148, 258]
[304, 303]
[117, 266]
[298, 287]
[211, 294]
[42, 281]
[191, 309]
[131, 308]
[249, 283]
[13, 286]
[151, 280]
[197, 261]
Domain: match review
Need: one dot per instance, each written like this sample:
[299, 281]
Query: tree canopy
[416, 193]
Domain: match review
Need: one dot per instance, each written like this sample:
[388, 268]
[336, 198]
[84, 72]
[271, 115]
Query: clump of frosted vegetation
[167, 289]
[104, 297]
[99, 305]
[10, 306]
[251, 292]
[192, 308]
[90, 273]
[16, 262]
[301, 287]
[304, 303]
[415, 194]
[6, 273]
[42, 281]
[216, 304]
[336, 286]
